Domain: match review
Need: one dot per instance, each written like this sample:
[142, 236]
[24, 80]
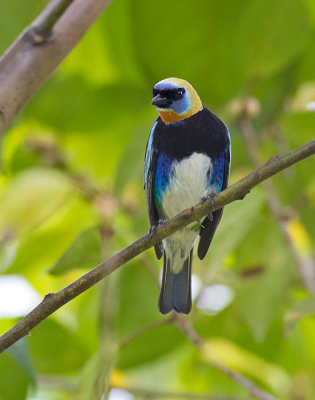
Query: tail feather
[166, 295]
[176, 288]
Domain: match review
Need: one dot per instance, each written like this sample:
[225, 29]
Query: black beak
[160, 101]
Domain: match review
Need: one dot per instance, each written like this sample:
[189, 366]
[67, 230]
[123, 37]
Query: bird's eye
[179, 94]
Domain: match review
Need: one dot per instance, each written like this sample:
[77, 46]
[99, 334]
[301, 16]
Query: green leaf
[97, 69]
[263, 251]
[239, 359]
[14, 379]
[84, 252]
[266, 294]
[20, 352]
[299, 311]
[50, 241]
[93, 109]
[13, 140]
[242, 215]
[138, 297]
[131, 164]
[197, 376]
[150, 346]
[55, 349]
[121, 43]
[32, 197]
[196, 226]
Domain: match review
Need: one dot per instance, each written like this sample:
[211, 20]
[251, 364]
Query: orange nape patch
[170, 116]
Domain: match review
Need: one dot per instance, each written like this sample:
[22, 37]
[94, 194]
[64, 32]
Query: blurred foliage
[71, 195]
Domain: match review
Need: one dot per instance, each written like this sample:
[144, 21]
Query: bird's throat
[169, 116]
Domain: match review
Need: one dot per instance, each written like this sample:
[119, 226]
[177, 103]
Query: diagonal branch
[239, 190]
[36, 53]
[305, 266]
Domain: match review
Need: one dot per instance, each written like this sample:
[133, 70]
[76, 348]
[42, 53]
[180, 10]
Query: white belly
[188, 184]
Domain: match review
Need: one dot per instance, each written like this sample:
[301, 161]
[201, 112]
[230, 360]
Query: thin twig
[239, 190]
[306, 267]
[241, 380]
[44, 28]
[185, 326]
[43, 24]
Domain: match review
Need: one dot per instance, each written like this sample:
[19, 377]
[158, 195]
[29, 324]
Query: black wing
[209, 226]
[149, 172]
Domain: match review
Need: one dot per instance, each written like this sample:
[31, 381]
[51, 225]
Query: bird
[187, 160]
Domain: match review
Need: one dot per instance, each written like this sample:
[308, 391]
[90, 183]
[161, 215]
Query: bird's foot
[154, 228]
[152, 231]
[209, 197]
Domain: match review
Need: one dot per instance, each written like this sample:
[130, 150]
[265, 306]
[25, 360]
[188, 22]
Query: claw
[154, 228]
[209, 197]
[152, 231]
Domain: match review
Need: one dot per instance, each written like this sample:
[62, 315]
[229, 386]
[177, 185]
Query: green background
[71, 195]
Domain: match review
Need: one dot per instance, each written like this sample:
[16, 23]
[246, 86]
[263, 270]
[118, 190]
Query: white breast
[187, 185]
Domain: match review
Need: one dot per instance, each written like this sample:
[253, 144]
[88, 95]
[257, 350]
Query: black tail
[176, 288]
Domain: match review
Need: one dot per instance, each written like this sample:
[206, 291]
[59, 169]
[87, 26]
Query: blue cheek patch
[181, 106]
[217, 174]
[161, 179]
